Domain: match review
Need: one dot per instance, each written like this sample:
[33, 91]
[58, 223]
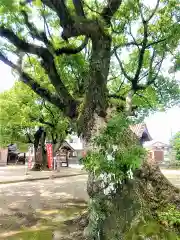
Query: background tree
[176, 145]
[87, 57]
[23, 115]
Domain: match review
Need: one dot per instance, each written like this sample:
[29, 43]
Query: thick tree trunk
[37, 158]
[136, 204]
[132, 210]
[40, 152]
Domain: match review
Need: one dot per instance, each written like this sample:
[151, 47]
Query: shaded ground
[39, 208]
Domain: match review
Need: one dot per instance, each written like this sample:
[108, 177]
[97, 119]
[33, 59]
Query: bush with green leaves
[176, 145]
[170, 215]
[117, 151]
[116, 154]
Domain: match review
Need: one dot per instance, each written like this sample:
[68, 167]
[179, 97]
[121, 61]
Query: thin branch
[29, 138]
[91, 9]
[41, 120]
[122, 68]
[59, 7]
[159, 90]
[152, 80]
[35, 33]
[130, 32]
[156, 42]
[120, 86]
[144, 74]
[49, 109]
[140, 10]
[45, 23]
[152, 14]
[145, 98]
[115, 31]
[113, 77]
[124, 45]
[134, 43]
[154, 11]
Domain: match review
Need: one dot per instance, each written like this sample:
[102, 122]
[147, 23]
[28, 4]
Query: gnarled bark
[40, 153]
[135, 204]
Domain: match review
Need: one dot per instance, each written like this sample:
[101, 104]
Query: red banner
[49, 155]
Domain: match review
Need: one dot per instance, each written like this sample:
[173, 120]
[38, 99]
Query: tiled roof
[66, 144]
[139, 129]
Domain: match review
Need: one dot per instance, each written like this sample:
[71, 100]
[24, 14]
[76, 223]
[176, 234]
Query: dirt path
[37, 210]
[173, 176]
[40, 207]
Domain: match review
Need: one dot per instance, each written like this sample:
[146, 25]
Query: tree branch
[122, 68]
[41, 120]
[124, 45]
[110, 9]
[91, 9]
[145, 98]
[70, 50]
[151, 79]
[152, 14]
[45, 22]
[21, 44]
[134, 43]
[47, 63]
[51, 112]
[29, 138]
[151, 66]
[115, 96]
[69, 110]
[141, 55]
[154, 11]
[34, 31]
[130, 32]
[156, 42]
[60, 8]
[73, 27]
[78, 5]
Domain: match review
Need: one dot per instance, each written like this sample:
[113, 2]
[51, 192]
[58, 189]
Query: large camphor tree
[92, 59]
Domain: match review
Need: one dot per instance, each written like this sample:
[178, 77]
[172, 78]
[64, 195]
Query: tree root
[133, 209]
[136, 204]
[39, 167]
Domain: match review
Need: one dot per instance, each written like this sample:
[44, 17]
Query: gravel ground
[25, 204]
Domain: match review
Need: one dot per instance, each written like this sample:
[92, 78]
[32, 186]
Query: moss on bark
[134, 207]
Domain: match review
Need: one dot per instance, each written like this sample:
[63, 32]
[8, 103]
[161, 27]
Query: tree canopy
[23, 111]
[176, 145]
[83, 56]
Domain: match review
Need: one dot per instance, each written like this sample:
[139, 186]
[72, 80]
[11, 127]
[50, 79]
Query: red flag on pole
[49, 155]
